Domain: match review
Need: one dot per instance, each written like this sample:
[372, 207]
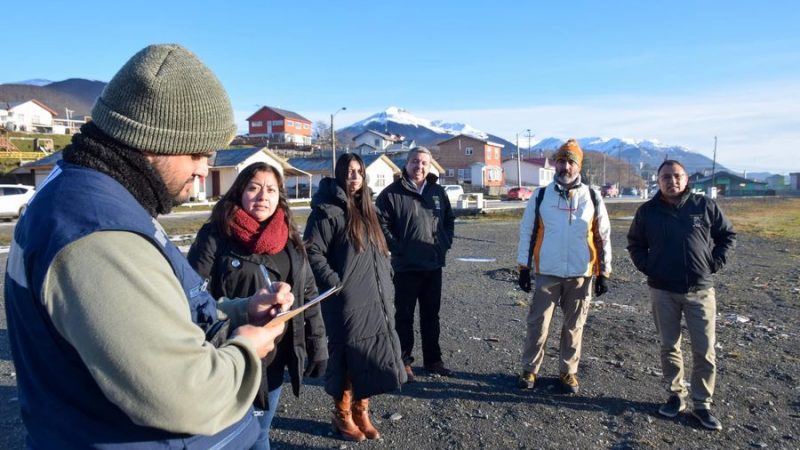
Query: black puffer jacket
[233, 272]
[360, 319]
[678, 248]
[418, 227]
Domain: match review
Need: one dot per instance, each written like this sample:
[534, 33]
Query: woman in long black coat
[346, 247]
[252, 226]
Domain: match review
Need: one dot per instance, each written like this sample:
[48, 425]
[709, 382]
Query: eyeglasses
[672, 176]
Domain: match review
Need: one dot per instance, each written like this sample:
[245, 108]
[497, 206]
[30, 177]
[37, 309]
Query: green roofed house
[730, 185]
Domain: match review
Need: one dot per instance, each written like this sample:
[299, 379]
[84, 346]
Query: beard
[564, 178]
[176, 188]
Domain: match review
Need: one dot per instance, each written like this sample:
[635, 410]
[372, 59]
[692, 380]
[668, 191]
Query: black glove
[600, 285]
[316, 369]
[525, 279]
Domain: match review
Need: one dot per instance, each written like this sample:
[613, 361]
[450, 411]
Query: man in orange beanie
[565, 239]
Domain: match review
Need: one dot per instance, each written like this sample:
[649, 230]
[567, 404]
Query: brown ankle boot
[361, 419]
[343, 418]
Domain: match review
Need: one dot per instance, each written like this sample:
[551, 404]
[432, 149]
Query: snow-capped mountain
[651, 152]
[396, 120]
[34, 82]
[648, 152]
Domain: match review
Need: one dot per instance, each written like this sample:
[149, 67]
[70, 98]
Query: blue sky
[679, 72]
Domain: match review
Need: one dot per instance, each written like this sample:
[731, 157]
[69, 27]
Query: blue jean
[265, 419]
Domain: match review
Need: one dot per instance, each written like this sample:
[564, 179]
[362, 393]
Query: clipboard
[284, 316]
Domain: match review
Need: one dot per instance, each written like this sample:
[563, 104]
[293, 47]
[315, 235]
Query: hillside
[76, 94]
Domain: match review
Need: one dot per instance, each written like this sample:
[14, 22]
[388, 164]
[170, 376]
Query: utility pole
[333, 143]
[714, 164]
[519, 165]
[604, 168]
[530, 135]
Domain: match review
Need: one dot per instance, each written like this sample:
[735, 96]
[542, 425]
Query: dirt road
[758, 385]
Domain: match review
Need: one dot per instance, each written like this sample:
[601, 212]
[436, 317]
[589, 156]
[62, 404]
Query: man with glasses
[679, 239]
[565, 236]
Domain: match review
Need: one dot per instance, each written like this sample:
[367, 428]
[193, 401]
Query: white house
[370, 142]
[381, 172]
[534, 171]
[30, 115]
[226, 165]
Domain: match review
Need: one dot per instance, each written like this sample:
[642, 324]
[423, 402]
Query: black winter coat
[362, 340]
[679, 248]
[418, 227]
[233, 272]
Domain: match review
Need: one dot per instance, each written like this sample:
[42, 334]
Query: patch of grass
[26, 144]
[772, 218]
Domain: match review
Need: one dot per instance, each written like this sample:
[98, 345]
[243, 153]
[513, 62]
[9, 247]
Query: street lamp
[333, 142]
[519, 164]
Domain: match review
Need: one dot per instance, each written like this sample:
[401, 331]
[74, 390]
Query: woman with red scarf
[251, 228]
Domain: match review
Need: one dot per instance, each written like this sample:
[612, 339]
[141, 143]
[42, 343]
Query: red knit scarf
[260, 238]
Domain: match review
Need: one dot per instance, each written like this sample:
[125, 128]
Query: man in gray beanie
[115, 340]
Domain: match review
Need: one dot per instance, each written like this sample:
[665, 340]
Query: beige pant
[573, 294]
[700, 309]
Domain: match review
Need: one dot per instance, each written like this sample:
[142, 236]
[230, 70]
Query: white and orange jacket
[568, 237]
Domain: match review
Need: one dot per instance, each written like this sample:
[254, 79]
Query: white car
[453, 191]
[13, 199]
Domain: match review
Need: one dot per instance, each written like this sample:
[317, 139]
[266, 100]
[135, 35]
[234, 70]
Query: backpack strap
[535, 230]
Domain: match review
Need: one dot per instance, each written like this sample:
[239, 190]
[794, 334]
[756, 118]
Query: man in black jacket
[418, 223]
[679, 239]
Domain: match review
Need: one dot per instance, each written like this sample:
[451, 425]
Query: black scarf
[128, 166]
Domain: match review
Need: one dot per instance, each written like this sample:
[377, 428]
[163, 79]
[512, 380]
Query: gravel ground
[483, 325]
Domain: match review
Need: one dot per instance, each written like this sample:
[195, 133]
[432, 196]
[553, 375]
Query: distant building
[30, 115]
[534, 171]
[794, 181]
[381, 172]
[777, 182]
[226, 165]
[471, 160]
[730, 185]
[280, 125]
[371, 141]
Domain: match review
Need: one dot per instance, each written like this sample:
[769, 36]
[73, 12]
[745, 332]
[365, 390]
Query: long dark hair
[361, 216]
[223, 212]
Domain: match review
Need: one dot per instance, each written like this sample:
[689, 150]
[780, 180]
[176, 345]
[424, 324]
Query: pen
[265, 273]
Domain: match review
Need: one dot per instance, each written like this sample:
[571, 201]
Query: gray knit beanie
[166, 101]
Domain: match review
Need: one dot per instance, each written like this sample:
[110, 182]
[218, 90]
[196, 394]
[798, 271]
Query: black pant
[427, 287]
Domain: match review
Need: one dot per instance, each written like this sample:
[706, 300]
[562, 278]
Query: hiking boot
[707, 419]
[439, 369]
[527, 380]
[674, 406]
[569, 381]
[409, 375]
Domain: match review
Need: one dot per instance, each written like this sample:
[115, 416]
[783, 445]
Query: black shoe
[707, 419]
[439, 369]
[674, 406]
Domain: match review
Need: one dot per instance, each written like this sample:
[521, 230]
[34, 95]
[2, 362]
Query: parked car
[13, 199]
[453, 192]
[609, 190]
[519, 193]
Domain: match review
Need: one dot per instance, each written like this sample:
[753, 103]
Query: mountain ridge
[637, 152]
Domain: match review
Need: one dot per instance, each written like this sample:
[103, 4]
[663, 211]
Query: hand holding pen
[268, 303]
